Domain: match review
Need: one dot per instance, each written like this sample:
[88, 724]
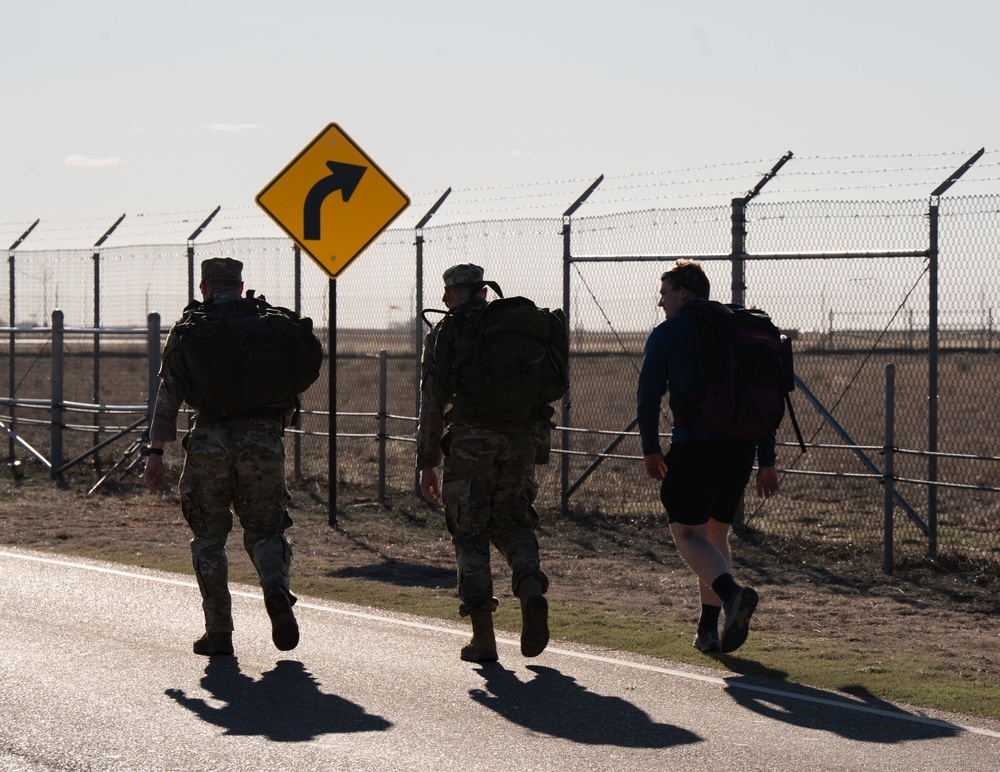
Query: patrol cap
[222, 269]
[466, 273]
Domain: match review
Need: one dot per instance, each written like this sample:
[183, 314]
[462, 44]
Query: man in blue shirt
[704, 474]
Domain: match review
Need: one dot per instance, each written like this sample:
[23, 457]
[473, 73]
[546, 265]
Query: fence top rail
[889, 254]
[83, 330]
[83, 406]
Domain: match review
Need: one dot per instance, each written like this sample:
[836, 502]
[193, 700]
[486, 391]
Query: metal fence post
[97, 336]
[297, 452]
[738, 252]
[152, 365]
[190, 250]
[383, 359]
[57, 396]
[332, 413]
[738, 286]
[889, 477]
[12, 358]
[418, 301]
[564, 417]
[932, 385]
[12, 381]
[97, 356]
[738, 291]
[932, 353]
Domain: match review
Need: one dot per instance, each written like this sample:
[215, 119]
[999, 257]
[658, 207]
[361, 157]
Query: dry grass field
[831, 500]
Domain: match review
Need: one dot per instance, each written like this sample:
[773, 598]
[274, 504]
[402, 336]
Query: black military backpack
[505, 361]
[746, 365]
[246, 354]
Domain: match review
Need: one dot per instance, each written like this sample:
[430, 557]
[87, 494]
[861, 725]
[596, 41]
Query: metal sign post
[333, 201]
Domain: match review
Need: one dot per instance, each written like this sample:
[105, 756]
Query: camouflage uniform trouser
[488, 492]
[235, 468]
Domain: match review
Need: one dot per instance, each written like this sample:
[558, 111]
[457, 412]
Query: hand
[767, 481]
[154, 473]
[655, 466]
[429, 487]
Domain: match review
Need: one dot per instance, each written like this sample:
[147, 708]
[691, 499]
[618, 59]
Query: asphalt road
[97, 674]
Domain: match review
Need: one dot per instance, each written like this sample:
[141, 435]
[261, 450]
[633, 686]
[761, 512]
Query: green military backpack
[246, 354]
[505, 361]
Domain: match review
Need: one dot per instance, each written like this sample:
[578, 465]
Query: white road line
[724, 682]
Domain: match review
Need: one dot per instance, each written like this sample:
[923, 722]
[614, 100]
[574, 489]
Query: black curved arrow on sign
[343, 177]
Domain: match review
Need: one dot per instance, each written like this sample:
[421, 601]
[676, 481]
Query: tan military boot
[483, 646]
[534, 617]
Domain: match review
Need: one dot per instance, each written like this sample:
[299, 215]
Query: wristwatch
[149, 451]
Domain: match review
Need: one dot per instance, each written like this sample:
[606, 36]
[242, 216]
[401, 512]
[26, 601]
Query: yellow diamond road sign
[332, 200]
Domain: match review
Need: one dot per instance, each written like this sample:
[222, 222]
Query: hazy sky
[111, 106]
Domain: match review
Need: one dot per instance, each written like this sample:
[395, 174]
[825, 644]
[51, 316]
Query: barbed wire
[936, 154]
[549, 196]
[869, 186]
[704, 167]
[894, 170]
[437, 193]
[133, 225]
[686, 170]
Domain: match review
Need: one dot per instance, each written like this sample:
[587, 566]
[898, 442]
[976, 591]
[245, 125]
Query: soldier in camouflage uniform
[231, 464]
[487, 491]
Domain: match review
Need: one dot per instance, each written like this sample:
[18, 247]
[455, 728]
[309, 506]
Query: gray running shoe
[738, 612]
[706, 641]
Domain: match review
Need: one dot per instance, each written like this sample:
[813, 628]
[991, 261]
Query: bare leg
[717, 534]
[700, 553]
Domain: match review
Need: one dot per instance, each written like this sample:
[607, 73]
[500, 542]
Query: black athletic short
[706, 480]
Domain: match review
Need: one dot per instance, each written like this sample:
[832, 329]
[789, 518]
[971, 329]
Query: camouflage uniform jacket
[436, 397]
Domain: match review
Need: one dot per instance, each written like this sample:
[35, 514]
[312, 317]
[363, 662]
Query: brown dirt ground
[942, 614]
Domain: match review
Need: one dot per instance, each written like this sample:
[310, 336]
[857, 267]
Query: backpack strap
[795, 424]
[428, 322]
[478, 286]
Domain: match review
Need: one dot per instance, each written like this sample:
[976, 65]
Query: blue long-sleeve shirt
[670, 366]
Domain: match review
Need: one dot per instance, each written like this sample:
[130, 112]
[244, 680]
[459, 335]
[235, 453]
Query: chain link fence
[855, 283]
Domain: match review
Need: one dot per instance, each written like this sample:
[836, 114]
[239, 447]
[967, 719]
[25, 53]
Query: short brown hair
[690, 275]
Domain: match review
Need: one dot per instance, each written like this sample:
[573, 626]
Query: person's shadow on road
[285, 705]
[555, 704]
[867, 719]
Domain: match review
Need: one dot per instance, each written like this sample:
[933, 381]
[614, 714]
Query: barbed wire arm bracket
[957, 174]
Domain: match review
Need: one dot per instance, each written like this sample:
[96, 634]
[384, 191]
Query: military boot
[534, 617]
[284, 628]
[483, 646]
[214, 643]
